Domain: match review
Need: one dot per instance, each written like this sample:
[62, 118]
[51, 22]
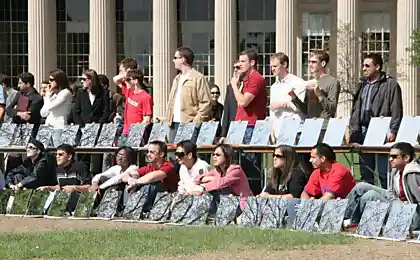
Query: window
[315, 36]
[14, 38]
[376, 35]
[73, 37]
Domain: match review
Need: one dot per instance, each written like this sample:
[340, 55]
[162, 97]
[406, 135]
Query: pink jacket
[235, 179]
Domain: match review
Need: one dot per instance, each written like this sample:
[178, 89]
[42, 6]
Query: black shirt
[42, 172]
[295, 185]
[75, 173]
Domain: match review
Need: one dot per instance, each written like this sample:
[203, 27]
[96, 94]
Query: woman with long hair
[57, 100]
[91, 105]
[287, 178]
[227, 177]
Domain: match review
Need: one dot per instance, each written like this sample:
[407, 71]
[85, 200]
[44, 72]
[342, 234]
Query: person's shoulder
[202, 164]
[339, 168]
[196, 74]
[79, 165]
[167, 164]
[234, 168]
[256, 76]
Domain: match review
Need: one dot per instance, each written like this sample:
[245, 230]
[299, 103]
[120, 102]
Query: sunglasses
[215, 93]
[60, 154]
[180, 155]
[366, 65]
[236, 67]
[31, 148]
[394, 156]
[278, 156]
[83, 79]
[51, 79]
[217, 154]
[175, 57]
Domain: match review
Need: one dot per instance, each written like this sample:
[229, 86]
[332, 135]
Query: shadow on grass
[111, 243]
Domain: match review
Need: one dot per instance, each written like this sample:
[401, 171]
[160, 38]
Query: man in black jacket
[378, 95]
[229, 108]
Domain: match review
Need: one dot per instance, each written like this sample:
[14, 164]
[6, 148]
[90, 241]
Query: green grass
[112, 243]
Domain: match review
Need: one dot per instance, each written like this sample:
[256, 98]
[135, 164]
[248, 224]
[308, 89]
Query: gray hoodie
[411, 185]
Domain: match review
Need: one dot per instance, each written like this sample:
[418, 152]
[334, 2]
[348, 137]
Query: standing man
[281, 105]
[230, 105]
[321, 96]
[251, 97]
[379, 95]
[189, 99]
[28, 104]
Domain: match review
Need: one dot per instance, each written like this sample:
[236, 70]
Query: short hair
[68, 149]
[3, 79]
[186, 53]
[215, 86]
[129, 153]
[406, 149]
[162, 146]
[136, 74]
[323, 149]
[27, 78]
[103, 80]
[189, 147]
[251, 54]
[282, 57]
[129, 63]
[321, 55]
[376, 59]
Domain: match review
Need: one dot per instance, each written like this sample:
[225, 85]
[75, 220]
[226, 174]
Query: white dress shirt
[57, 108]
[91, 97]
[279, 92]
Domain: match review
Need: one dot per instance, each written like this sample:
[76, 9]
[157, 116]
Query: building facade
[39, 35]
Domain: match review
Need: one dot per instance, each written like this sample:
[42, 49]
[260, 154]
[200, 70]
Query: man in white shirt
[191, 166]
[281, 105]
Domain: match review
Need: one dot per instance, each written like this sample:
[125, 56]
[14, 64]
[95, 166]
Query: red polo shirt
[171, 180]
[338, 181]
[254, 84]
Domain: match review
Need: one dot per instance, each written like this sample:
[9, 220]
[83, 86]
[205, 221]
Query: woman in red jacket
[226, 176]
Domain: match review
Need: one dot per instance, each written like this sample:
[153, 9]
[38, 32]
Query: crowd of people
[315, 175]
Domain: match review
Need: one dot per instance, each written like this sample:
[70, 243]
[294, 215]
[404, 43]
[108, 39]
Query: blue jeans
[367, 163]
[251, 164]
[359, 195]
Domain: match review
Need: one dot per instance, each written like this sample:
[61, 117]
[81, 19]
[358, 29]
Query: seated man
[191, 167]
[160, 173]
[71, 174]
[404, 186]
[330, 179]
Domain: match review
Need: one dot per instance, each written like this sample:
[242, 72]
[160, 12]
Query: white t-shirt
[177, 104]
[186, 182]
[113, 176]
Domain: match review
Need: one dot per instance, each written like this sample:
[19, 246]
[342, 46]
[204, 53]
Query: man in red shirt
[329, 180]
[159, 171]
[251, 96]
[138, 103]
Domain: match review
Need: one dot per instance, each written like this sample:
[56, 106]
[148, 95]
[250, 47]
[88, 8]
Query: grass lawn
[112, 243]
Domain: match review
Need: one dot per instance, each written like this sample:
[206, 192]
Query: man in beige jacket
[189, 99]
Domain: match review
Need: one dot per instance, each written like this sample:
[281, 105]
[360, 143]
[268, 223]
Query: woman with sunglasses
[287, 178]
[39, 168]
[57, 100]
[125, 162]
[227, 177]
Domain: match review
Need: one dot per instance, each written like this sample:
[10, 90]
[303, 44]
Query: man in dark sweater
[229, 108]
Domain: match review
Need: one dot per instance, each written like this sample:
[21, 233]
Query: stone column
[102, 38]
[348, 63]
[408, 75]
[224, 43]
[42, 39]
[286, 14]
[164, 46]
